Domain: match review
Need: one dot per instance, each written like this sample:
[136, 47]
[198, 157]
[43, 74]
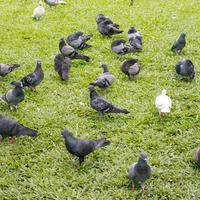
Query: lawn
[41, 168]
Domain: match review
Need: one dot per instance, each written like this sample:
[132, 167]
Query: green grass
[41, 168]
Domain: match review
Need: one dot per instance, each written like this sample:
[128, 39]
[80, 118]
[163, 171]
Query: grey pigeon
[81, 147]
[78, 40]
[106, 27]
[62, 65]
[179, 44]
[101, 17]
[10, 128]
[119, 47]
[33, 79]
[104, 80]
[139, 172]
[7, 68]
[130, 67]
[70, 52]
[135, 38]
[14, 96]
[101, 105]
[185, 68]
[54, 2]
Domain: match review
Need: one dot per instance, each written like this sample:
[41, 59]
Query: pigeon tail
[82, 57]
[102, 143]
[22, 130]
[119, 110]
[14, 66]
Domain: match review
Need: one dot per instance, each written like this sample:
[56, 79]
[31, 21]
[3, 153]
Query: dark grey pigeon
[104, 80]
[62, 65]
[139, 172]
[130, 67]
[10, 128]
[14, 96]
[81, 147]
[54, 2]
[101, 105]
[70, 52]
[7, 68]
[101, 17]
[78, 40]
[185, 68]
[33, 79]
[179, 44]
[119, 47]
[135, 38]
[106, 27]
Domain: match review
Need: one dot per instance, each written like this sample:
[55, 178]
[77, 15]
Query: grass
[41, 168]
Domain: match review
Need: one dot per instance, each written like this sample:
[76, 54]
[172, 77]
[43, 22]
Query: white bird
[39, 11]
[163, 103]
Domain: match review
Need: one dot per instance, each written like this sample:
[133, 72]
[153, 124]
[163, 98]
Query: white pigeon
[39, 11]
[163, 103]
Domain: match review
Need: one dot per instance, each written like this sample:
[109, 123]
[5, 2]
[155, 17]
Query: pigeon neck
[93, 94]
[105, 69]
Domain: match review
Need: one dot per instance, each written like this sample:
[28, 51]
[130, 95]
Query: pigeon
[33, 79]
[70, 52]
[106, 27]
[163, 103]
[119, 47]
[197, 156]
[62, 65]
[81, 147]
[135, 38]
[101, 17]
[104, 80]
[7, 68]
[10, 128]
[39, 11]
[54, 2]
[14, 96]
[130, 67]
[139, 172]
[101, 105]
[179, 44]
[78, 40]
[185, 68]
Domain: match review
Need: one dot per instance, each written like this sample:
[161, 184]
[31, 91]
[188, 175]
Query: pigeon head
[164, 92]
[143, 157]
[91, 88]
[183, 35]
[62, 42]
[38, 61]
[65, 133]
[105, 67]
[86, 37]
[100, 18]
[17, 84]
[132, 30]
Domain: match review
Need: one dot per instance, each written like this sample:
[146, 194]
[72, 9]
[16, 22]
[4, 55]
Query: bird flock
[69, 48]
